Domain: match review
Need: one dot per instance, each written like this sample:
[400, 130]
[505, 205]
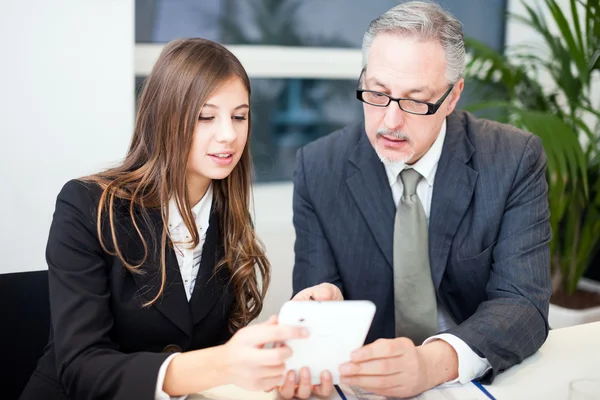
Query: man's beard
[400, 158]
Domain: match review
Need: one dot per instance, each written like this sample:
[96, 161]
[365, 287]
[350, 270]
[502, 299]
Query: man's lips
[393, 142]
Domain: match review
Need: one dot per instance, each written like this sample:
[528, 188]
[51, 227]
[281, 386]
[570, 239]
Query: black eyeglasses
[411, 106]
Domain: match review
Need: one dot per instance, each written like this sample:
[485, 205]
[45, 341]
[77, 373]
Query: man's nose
[394, 116]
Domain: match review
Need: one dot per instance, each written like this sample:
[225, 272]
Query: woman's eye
[203, 118]
[240, 118]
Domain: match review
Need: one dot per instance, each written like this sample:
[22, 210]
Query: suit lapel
[452, 192]
[209, 287]
[173, 303]
[372, 193]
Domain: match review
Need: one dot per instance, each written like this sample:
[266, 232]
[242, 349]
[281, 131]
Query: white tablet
[337, 328]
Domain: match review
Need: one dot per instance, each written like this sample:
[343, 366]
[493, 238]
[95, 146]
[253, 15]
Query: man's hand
[322, 292]
[396, 367]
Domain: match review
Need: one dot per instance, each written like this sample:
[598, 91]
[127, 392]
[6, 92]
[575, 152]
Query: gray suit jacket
[488, 232]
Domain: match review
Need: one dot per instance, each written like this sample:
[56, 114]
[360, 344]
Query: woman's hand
[251, 366]
[304, 389]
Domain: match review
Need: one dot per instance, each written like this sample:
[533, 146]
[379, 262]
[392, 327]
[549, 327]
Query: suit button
[172, 348]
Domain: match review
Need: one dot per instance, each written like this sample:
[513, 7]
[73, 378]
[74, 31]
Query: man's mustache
[394, 134]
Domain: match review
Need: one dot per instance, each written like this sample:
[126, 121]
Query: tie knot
[410, 178]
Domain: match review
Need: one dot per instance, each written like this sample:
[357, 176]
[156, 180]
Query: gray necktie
[415, 301]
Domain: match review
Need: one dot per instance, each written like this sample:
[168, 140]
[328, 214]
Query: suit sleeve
[513, 323]
[314, 260]
[89, 364]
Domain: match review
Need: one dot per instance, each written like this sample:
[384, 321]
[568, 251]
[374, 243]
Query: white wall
[66, 109]
[273, 221]
[519, 33]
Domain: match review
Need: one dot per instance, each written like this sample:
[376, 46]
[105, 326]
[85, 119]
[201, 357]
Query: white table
[568, 354]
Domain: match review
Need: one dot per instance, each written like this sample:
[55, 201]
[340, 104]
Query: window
[303, 58]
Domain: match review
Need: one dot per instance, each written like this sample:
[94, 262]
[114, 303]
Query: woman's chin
[220, 173]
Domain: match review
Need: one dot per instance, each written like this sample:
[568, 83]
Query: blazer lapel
[371, 191]
[209, 287]
[452, 192]
[173, 303]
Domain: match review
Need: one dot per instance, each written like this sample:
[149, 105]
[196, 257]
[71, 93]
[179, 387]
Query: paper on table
[446, 392]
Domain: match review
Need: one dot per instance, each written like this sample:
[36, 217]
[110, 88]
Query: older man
[438, 217]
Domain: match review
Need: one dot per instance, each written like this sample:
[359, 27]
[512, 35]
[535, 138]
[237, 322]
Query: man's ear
[455, 95]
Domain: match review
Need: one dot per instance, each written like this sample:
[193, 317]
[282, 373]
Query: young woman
[154, 266]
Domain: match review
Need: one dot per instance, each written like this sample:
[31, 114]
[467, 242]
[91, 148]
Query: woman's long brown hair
[186, 74]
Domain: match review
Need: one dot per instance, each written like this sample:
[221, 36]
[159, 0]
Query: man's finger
[322, 292]
[377, 382]
[382, 348]
[305, 294]
[305, 387]
[381, 366]
[326, 292]
[325, 389]
[289, 386]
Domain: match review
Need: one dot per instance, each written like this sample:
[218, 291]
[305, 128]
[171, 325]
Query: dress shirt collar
[201, 211]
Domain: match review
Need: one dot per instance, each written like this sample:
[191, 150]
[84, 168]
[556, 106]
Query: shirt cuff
[159, 394]
[470, 365]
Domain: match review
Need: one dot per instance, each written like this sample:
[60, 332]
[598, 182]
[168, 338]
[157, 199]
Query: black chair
[25, 321]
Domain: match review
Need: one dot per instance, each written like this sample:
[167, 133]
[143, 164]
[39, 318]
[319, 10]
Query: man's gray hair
[422, 20]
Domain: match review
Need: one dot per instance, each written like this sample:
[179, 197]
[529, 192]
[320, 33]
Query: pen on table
[337, 388]
[340, 392]
[480, 387]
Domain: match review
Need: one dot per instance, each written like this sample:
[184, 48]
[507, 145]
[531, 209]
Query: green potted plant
[552, 91]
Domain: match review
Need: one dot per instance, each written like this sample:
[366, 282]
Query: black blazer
[103, 343]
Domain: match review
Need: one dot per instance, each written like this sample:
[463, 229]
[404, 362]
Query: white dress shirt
[188, 259]
[470, 365]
